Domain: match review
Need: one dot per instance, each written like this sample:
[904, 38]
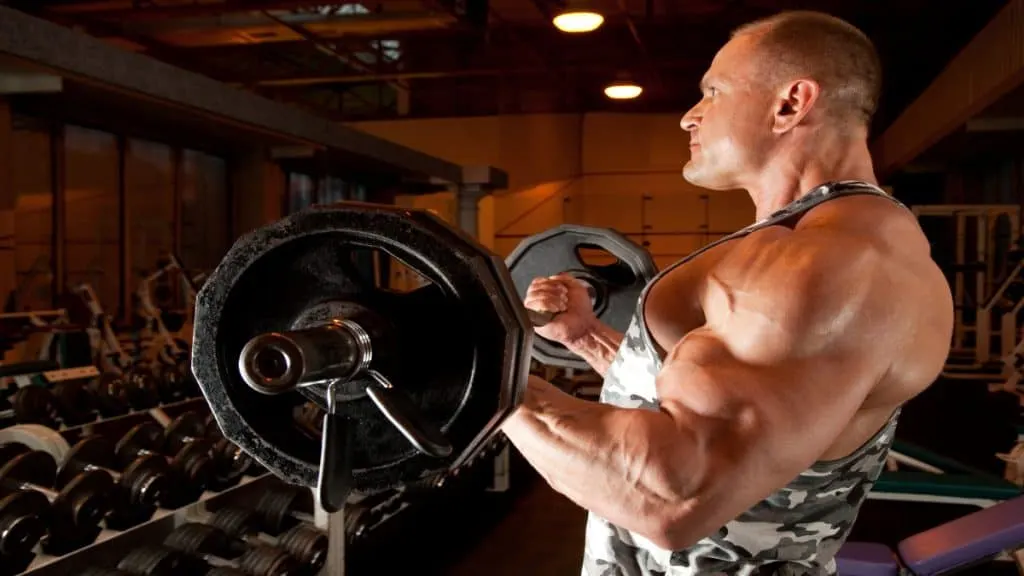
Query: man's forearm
[597, 347]
[609, 460]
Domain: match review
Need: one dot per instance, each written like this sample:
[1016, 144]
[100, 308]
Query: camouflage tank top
[794, 532]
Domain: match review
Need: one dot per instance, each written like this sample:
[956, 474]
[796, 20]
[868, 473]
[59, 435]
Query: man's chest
[675, 303]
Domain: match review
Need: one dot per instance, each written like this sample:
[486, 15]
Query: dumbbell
[191, 464]
[74, 403]
[150, 376]
[216, 547]
[77, 509]
[229, 462]
[24, 518]
[30, 405]
[368, 512]
[282, 506]
[175, 381]
[229, 450]
[142, 483]
[303, 540]
[116, 395]
[158, 561]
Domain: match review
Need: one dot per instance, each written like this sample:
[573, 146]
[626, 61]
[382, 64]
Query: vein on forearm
[598, 347]
[629, 466]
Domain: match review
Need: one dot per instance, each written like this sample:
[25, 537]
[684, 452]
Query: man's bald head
[826, 49]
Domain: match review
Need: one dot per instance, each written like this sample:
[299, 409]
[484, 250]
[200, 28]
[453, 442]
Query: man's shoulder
[830, 276]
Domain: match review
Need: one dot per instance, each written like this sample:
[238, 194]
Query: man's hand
[566, 298]
[575, 325]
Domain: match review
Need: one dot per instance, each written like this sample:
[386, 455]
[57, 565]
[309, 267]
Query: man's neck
[798, 170]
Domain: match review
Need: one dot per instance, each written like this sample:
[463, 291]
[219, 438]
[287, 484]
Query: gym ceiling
[437, 58]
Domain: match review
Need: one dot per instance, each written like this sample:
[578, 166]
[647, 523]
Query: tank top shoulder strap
[798, 207]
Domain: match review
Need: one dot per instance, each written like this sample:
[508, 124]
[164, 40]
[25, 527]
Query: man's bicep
[756, 426]
[767, 420]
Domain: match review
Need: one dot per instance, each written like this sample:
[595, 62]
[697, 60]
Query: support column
[468, 196]
[178, 192]
[8, 196]
[477, 182]
[125, 232]
[58, 195]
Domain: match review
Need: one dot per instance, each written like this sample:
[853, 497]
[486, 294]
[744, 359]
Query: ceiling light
[623, 90]
[577, 17]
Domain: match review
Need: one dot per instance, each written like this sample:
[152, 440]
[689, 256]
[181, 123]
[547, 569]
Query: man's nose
[690, 120]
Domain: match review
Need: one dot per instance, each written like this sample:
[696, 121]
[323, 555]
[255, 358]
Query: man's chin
[702, 179]
[692, 174]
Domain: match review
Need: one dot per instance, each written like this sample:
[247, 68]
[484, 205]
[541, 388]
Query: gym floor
[531, 529]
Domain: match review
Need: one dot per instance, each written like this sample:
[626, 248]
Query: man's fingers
[547, 291]
[546, 302]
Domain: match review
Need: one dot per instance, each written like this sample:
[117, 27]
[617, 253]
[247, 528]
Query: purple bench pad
[974, 537]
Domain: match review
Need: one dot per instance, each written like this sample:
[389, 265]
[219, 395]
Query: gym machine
[165, 345]
[110, 355]
[915, 474]
[984, 281]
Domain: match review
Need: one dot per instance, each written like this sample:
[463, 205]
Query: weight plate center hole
[271, 362]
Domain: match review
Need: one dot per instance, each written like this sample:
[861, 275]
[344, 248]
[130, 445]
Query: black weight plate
[24, 516]
[455, 345]
[33, 467]
[35, 405]
[193, 537]
[108, 391]
[145, 436]
[87, 498]
[74, 403]
[148, 480]
[618, 284]
[92, 450]
[308, 545]
[268, 561]
[236, 521]
[275, 506]
[194, 465]
[188, 425]
[158, 561]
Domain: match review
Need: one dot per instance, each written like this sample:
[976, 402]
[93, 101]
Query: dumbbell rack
[112, 545]
[366, 513]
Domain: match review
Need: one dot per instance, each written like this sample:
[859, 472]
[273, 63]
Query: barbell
[413, 384]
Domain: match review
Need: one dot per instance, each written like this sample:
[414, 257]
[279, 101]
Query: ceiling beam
[29, 83]
[178, 94]
[993, 124]
[453, 73]
[988, 68]
[129, 13]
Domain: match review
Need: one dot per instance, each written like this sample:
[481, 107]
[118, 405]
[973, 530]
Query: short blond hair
[836, 54]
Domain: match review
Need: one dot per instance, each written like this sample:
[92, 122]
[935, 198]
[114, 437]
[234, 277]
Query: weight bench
[963, 489]
[944, 549]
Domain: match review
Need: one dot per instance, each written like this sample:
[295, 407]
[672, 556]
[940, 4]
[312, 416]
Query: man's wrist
[586, 335]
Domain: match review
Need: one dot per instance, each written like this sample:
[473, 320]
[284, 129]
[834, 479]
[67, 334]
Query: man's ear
[793, 103]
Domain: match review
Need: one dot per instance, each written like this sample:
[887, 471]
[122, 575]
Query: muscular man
[751, 403]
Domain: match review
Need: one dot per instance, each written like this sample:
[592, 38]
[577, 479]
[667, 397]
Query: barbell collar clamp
[278, 362]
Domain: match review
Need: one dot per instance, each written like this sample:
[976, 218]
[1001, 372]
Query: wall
[610, 170]
[92, 232]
